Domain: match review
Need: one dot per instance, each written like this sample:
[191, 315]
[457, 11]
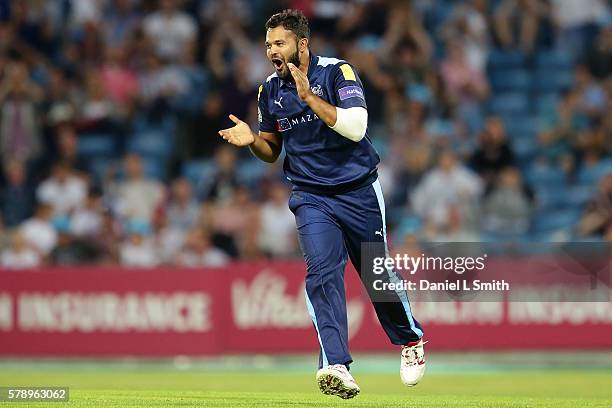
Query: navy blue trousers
[332, 229]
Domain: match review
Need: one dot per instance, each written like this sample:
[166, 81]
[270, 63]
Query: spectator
[599, 57]
[97, 111]
[468, 24]
[58, 103]
[225, 37]
[17, 196]
[518, 23]
[592, 97]
[225, 181]
[19, 130]
[107, 241]
[68, 150]
[120, 22]
[199, 253]
[87, 220]
[138, 196]
[63, 147]
[138, 250]
[417, 159]
[277, 237]
[20, 255]
[597, 217]
[237, 91]
[159, 84]
[447, 198]
[466, 86]
[236, 12]
[169, 239]
[183, 210]
[59, 99]
[69, 249]
[38, 230]
[199, 138]
[555, 150]
[89, 43]
[593, 144]
[87, 11]
[577, 21]
[170, 30]
[507, 209]
[230, 219]
[64, 191]
[493, 152]
[187, 101]
[567, 120]
[119, 81]
[34, 23]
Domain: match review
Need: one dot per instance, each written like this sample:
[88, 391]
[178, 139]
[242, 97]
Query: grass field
[165, 385]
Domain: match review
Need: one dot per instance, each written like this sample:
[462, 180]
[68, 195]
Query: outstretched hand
[301, 82]
[239, 135]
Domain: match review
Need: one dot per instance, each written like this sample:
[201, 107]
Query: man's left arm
[350, 121]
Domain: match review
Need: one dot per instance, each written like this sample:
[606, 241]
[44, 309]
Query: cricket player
[316, 107]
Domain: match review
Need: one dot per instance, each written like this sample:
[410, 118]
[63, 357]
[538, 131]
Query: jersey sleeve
[266, 121]
[348, 87]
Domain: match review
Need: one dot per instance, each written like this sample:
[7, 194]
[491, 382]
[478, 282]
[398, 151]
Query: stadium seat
[552, 221]
[577, 196]
[592, 174]
[94, 145]
[200, 173]
[142, 123]
[151, 143]
[545, 176]
[551, 197]
[99, 166]
[546, 103]
[510, 80]
[251, 170]
[547, 80]
[554, 60]
[154, 168]
[568, 197]
[506, 59]
[520, 126]
[509, 103]
[524, 148]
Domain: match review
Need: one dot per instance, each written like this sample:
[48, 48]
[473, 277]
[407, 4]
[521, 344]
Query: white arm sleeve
[351, 122]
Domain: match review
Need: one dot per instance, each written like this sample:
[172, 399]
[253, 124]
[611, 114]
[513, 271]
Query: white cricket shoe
[412, 365]
[336, 380]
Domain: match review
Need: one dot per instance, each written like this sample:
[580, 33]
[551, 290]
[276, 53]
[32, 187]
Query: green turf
[119, 387]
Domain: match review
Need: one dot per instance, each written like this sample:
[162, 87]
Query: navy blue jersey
[318, 158]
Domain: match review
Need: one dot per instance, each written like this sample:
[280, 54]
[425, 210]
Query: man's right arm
[265, 146]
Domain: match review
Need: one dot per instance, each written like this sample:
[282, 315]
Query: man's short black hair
[293, 20]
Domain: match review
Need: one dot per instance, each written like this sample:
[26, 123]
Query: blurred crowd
[492, 119]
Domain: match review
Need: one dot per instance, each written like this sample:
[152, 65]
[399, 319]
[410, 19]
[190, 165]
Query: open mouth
[278, 63]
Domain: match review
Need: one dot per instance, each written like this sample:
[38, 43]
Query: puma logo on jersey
[279, 102]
